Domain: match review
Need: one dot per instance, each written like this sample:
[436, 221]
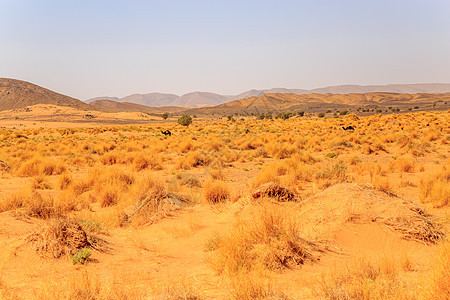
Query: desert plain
[225, 208]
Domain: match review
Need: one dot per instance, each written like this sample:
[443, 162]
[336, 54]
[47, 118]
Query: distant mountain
[16, 94]
[152, 99]
[318, 102]
[202, 99]
[199, 99]
[133, 107]
[388, 88]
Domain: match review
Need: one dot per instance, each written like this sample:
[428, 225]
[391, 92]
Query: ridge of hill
[317, 102]
[15, 94]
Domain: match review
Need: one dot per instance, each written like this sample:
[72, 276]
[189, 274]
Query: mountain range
[204, 99]
[17, 94]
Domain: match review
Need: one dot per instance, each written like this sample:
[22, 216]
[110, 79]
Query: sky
[92, 48]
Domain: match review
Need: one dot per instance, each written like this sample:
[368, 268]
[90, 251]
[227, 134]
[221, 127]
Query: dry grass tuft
[32, 204]
[364, 279]
[269, 239]
[253, 286]
[439, 285]
[40, 183]
[109, 197]
[436, 189]
[405, 164]
[216, 192]
[64, 181]
[41, 166]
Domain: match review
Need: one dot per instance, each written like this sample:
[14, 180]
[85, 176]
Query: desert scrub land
[246, 209]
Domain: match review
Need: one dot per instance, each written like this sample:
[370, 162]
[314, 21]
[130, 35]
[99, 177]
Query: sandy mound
[361, 204]
[47, 112]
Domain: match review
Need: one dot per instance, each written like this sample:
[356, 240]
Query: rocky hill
[15, 94]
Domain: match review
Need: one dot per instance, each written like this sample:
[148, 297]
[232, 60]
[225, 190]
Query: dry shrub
[298, 170]
[33, 204]
[267, 239]
[380, 147]
[40, 183]
[267, 174]
[417, 226]
[64, 181]
[80, 186]
[404, 141]
[305, 157]
[364, 279]
[109, 196]
[253, 286]
[405, 164]
[383, 184]
[275, 191]
[283, 151]
[181, 289]
[366, 149]
[4, 166]
[147, 162]
[436, 189]
[14, 201]
[83, 286]
[153, 202]
[63, 236]
[260, 152]
[197, 158]
[112, 177]
[41, 166]
[329, 176]
[216, 192]
[109, 159]
[185, 146]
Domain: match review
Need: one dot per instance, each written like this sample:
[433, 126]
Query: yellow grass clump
[268, 239]
[366, 279]
[215, 192]
[439, 282]
[41, 166]
[436, 189]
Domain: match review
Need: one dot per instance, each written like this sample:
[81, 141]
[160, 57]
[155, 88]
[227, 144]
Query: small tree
[285, 116]
[165, 115]
[230, 118]
[185, 120]
[301, 113]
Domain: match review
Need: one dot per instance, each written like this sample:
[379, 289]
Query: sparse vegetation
[231, 205]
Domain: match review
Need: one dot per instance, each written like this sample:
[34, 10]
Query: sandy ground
[169, 258]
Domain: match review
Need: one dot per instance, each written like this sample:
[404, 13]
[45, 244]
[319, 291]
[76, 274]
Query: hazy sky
[115, 48]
